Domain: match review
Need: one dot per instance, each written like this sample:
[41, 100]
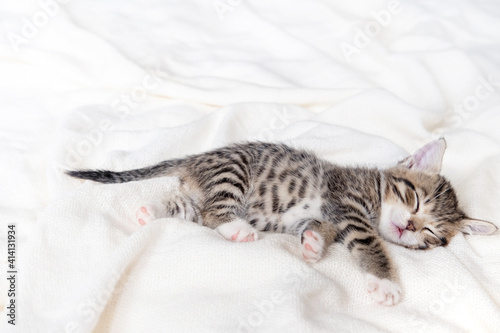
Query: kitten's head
[419, 207]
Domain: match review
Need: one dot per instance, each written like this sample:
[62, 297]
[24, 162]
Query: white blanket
[125, 84]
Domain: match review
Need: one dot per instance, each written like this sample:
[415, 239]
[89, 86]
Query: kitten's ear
[477, 227]
[428, 158]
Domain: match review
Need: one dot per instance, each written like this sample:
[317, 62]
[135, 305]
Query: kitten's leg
[369, 251]
[225, 214]
[183, 208]
[315, 237]
[176, 206]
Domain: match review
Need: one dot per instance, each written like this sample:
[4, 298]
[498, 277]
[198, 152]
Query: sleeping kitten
[245, 188]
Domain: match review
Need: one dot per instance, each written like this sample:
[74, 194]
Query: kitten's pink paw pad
[311, 234]
[149, 212]
[309, 248]
[249, 238]
[383, 291]
[142, 216]
[312, 246]
[238, 231]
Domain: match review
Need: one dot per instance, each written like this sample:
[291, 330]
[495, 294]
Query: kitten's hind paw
[149, 212]
[383, 291]
[312, 246]
[238, 231]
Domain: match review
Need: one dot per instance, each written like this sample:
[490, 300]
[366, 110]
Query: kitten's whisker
[437, 196]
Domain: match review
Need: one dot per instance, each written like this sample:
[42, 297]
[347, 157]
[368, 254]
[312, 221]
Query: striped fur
[275, 188]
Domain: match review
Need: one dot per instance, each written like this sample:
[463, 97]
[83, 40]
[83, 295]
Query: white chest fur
[307, 208]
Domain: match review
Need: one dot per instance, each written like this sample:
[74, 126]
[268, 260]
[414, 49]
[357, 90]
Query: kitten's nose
[410, 226]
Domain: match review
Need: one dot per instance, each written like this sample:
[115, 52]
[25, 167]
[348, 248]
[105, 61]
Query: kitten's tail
[165, 168]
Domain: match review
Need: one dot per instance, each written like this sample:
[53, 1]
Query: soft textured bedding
[125, 84]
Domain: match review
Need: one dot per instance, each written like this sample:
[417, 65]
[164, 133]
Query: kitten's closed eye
[429, 231]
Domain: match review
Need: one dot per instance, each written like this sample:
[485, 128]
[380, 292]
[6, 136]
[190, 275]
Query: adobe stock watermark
[450, 293]
[265, 308]
[84, 147]
[31, 26]
[276, 123]
[92, 308]
[131, 100]
[470, 104]
[123, 105]
[222, 7]
[372, 29]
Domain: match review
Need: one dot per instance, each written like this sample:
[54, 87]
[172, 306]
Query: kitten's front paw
[149, 212]
[312, 246]
[238, 231]
[383, 291]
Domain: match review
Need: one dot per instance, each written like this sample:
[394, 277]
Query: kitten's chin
[392, 234]
[403, 241]
[399, 237]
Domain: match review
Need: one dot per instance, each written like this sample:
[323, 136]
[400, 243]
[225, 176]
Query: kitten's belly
[288, 217]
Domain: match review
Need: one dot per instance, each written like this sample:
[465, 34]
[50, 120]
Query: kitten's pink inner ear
[428, 158]
[477, 227]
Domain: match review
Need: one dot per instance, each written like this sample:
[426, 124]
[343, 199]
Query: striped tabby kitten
[245, 188]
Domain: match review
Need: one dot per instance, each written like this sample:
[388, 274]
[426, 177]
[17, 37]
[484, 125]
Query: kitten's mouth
[398, 230]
